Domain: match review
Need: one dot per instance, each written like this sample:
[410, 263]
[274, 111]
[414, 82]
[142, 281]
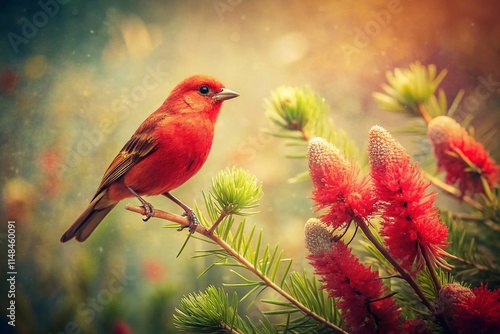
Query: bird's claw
[193, 221]
[150, 211]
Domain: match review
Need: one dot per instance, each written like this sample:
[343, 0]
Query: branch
[230, 329]
[183, 221]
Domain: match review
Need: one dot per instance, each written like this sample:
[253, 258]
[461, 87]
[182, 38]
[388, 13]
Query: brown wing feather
[138, 147]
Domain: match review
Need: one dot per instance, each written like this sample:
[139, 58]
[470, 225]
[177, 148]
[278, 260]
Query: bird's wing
[138, 147]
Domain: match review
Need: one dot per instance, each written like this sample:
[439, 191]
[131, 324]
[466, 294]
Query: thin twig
[468, 216]
[432, 271]
[305, 135]
[476, 219]
[217, 222]
[230, 329]
[233, 253]
[472, 264]
[423, 112]
[453, 191]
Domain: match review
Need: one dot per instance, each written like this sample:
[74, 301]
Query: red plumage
[167, 149]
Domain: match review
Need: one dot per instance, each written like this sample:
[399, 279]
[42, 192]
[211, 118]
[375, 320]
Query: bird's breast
[183, 148]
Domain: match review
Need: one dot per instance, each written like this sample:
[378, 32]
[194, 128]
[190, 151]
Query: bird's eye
[204, 90]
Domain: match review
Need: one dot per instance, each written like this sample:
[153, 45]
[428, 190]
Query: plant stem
[432, 272]
[230, 329]
[214, 226]
[424, 113]
[209, 234]
[453, 191]
[305, 135]
[404, 275]
[472, 264]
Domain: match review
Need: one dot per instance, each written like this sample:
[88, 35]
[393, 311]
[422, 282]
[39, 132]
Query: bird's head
[198, 93]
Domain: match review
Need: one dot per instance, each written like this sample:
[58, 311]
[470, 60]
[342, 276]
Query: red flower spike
[411, 224]
[462, 158]
[470, 311]
[360, 292]
[336, 185]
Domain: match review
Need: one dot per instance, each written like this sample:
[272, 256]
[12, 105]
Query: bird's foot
[188, 212]
[150, 211]
[193, 221]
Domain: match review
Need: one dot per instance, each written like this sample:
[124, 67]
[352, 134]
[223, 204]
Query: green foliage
[235, 190]
[425, 281]
[255, 266]
[306, 290]
[410, 87]
[405, 295]
[294, 108]
[210, 312]
[301, 114]
[470, 261]
[491, 207]
[301, 306]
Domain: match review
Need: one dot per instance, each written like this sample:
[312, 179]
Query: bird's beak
[225, 94]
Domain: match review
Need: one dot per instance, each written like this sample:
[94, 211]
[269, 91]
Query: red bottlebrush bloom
[470, 311]
[336, 185]
[411, 224]
[460, 156]
[360, 292]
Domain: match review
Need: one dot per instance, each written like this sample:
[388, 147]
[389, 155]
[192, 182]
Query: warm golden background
[74, 90]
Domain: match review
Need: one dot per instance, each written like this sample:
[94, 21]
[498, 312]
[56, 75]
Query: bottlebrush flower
[464, 159]
[362, 297]
[470, 311]
[318, 238]
[411, 224]
[336, 185]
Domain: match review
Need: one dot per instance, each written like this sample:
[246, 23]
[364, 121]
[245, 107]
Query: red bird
[169, 147]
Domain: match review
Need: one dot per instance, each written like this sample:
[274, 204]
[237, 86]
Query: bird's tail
[86, 223]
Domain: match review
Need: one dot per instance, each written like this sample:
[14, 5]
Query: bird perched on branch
[167, 149]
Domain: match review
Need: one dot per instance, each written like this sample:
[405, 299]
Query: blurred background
[78, 77]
